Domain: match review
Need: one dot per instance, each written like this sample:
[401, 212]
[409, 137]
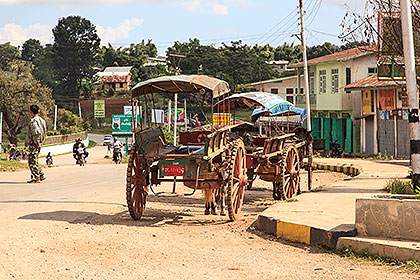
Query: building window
[333, 115]
[290, 98]
[334, 80]
[289, 91]
[348, 76]
[275, 90]
[345, 116]
[312, 83]
[323, 81]
[121, 85]
[372, 71]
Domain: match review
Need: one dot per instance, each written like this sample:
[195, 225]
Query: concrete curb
[303, 233]
[349, 169]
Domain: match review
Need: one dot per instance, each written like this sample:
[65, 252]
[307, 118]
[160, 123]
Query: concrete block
[389, 216]
[402, 250]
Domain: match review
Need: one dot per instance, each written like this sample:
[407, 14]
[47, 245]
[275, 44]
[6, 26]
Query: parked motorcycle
[117, 155]
[80, 154]
[335, 149]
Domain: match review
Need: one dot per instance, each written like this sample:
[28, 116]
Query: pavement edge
[305, 234]
[346, 168]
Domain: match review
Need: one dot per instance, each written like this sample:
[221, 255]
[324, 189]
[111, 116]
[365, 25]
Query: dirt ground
[70, 229]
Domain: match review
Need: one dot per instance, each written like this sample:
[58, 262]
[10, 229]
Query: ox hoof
[207, 212]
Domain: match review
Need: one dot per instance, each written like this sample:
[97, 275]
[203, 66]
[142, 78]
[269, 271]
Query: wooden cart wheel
[137, 184]
[290, 167]
[237, 180]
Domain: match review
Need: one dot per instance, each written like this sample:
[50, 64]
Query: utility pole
[55, 117]
[306, 91]
[305, 68]
[413, 97]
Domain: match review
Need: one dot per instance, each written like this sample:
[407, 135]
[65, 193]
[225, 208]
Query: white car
[107, 140]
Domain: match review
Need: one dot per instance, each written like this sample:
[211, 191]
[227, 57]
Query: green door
[349, 135]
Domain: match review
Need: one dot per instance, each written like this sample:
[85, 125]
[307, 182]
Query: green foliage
[397, 186]
[169, 135]
[8, 54]
[18, 90]
[75, 49]
[69, 123]
[31, 49]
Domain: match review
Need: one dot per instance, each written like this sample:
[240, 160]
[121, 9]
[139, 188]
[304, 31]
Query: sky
[122, 22]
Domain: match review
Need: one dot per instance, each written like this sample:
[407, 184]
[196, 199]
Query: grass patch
[101, 130]
[319, 189]
[398, 186]
[12, 165]
[91, 144]
[291, 200]
[348, 252]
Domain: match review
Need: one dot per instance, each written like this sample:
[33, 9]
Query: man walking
[34, 139]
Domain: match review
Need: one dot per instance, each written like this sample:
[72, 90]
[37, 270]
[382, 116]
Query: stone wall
[61, 139]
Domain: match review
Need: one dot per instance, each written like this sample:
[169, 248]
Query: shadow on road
[60, 201]
[151, 217]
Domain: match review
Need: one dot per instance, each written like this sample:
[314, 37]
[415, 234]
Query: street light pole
[413, 97]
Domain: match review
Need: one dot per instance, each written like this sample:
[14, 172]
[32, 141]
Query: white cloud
[17, 35]
[219, 9]
[112, 35]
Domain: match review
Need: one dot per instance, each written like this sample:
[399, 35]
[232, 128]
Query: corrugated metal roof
[115, 71]
[373, 82]
[339, 56]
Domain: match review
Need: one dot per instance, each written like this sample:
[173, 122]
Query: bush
[397, 186]
[69, 123]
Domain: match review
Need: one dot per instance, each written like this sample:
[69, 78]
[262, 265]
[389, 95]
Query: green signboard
[122, 124]
[99, 109]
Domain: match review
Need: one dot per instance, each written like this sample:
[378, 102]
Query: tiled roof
[339, 56]
[373, 82]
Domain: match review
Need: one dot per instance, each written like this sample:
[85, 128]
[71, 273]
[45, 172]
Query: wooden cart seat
[196, 150]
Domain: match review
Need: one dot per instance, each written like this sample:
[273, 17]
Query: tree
[76, 45]
[8, 53]
[18, 90]
[31, 49]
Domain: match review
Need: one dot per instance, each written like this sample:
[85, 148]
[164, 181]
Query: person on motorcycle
[49, 159]
[117, 145]
[77, 145]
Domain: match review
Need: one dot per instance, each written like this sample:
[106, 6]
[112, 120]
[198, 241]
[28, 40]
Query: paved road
[75, 226]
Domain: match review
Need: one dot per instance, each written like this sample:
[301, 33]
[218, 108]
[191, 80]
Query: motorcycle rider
[77, 145]
[117, 145]
[49, 159]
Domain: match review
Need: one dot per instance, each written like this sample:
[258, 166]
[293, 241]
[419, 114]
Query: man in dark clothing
[78, 145]
[37, 130]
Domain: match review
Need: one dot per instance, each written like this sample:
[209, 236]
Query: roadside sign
[221, 119]
[99, 109]
[128, 110]
[180, 115]
[122, 124]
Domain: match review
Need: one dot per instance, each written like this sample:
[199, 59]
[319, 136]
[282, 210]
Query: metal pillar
[413, 97]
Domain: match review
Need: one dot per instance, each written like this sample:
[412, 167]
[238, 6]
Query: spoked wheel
[137, 184]
[237, 180]
[290, 172]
